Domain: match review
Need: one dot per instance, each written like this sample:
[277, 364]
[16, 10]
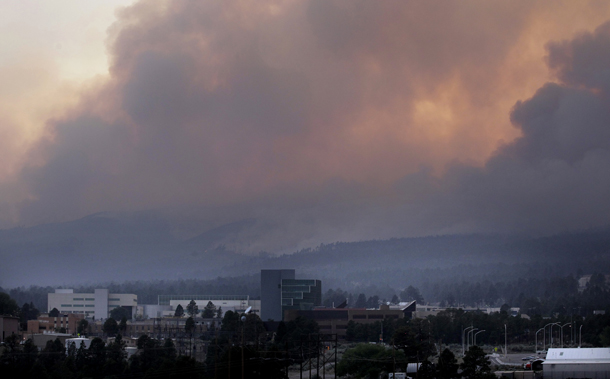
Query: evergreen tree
[8, 306]
[189, 326]
[427, 370]
[192, 309]
[119, 312]
[179, 311]
[447, 367]
[361, 301]
[411, 293]
[281, 332]
[368, 361]
[28, 312]
[476, 365]
[82, 326]
[123, 324]
[110, 327]
[209, 311]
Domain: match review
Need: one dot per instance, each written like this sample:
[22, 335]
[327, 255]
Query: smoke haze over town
[275, 126]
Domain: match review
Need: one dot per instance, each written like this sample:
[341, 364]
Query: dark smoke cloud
[555, 177]
[303, 120]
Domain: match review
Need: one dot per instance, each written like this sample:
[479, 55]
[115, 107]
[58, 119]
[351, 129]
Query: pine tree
[179, 311]
[192, 309]
[209, 311]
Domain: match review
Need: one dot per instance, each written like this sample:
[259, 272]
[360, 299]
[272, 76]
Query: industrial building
[335, 320]
[563, 363]
[235, 303]
[96, 305]
[281, 291]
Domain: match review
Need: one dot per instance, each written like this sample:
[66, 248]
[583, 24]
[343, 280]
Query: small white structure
[130, 351]
[575, 363]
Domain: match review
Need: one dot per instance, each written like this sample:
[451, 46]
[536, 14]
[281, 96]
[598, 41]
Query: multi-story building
[302, 294]
[96, 305]
[46, 324]
[170, 327]
[335, 320]
[280, 291]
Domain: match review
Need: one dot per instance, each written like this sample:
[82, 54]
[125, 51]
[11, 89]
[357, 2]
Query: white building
[235, 303]
[98, 304]
[563, 363]
[77, 342]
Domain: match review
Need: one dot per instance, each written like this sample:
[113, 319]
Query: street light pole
[468, 338]
[505, 340]
[551, 331]
[544, 341]
[475, 337]
[536, 349]
[567, 324]
[580, 337]
[243, 336]
[463, 335]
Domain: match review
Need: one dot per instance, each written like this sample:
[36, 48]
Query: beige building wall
[68, 302]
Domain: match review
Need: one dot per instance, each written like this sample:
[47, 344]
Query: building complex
[96, 305]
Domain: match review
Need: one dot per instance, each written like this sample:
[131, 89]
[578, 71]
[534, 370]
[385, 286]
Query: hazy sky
[340, 120]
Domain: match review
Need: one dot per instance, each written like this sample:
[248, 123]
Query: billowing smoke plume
[330, 120]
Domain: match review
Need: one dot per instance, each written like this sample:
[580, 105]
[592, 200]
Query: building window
[78, 305]
[375, 316]
[359, 316]
[78, 298]
[66, 305]
[89, 305]
[114, 299]
[89, 299]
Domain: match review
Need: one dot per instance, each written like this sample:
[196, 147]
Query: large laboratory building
[96, 305]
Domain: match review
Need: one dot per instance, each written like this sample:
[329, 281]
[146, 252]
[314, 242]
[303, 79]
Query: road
[515, 360]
